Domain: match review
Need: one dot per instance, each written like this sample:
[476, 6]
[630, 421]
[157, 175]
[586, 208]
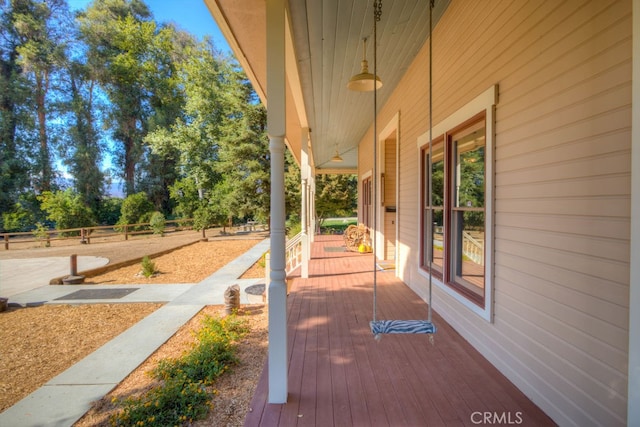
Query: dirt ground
[189, 264]
[38, 343]
[48, 339]
[234, 389]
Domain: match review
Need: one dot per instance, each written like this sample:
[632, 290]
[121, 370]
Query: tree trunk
[45, 161]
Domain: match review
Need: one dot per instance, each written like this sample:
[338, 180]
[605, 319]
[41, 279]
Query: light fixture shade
[365, 81]
[336, 157]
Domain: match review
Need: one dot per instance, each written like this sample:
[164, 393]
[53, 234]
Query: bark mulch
[38, 343]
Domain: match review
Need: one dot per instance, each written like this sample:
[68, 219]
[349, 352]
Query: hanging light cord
[377, 14]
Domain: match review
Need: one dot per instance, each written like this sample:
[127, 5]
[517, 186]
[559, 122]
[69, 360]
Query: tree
[109, 211]
[166, 102]
[41, 28]
[336, 195]
[19, 219]
[83, 141]
[118, 34]
[135, 209]
[66, 209]
[292, 187]
[196, 137]
[245, 157]
[15, 120]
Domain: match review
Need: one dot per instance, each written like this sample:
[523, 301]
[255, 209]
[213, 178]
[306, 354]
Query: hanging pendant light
[365, 81]
[336, 157]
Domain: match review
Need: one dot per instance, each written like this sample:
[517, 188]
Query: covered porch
[339, 375]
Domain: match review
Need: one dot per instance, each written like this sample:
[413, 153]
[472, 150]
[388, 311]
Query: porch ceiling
[324, 51]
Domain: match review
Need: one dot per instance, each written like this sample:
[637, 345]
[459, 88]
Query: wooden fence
[85, 234]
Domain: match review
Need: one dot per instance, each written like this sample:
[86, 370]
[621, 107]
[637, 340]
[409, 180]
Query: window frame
[368, 175]
[366, 184]
[483, 104]
[428, 210]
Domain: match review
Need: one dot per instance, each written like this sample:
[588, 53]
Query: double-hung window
[456, 203]
[367, 204]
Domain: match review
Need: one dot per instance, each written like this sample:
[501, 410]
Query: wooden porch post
[304, 212]
[633, 398]
[276, 124]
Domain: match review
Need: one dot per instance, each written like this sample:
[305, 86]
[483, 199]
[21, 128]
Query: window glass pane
[469, 251]
[473, 248]
[437, 172]
[467, 205]
[438, 239]
[470, 167]
[433, 216]
[425, 255]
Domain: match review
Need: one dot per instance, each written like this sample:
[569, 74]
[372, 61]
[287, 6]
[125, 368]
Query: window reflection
[468, 211]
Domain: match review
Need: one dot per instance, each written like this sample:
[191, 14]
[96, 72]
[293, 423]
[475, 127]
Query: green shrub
[176, 402]
[185, 393]
[135, 209]
[109, 210]
[211, 357]
[262, 262]
[19, 219]
[148, 267]
[41, 234]
[157, 223]
[67, 209]
[293, 228]
[207, 215]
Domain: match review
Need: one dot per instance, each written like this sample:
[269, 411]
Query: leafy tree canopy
[178, 120]
[336, 195]
[66, 209]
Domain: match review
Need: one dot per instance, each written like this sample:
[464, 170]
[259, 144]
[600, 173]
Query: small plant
[262, 262]
[176, 402]
[41, 233]
[185, 392]
[148, 267]
[157, 223]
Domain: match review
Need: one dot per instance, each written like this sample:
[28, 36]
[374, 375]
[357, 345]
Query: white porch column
[304, 212]
[304, 220]
[312, 205]
[276, 118]
[633, 402]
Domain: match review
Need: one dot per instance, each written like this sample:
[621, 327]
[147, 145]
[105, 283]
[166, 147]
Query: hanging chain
[377, 10]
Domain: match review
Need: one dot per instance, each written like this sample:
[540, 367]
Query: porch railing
[293, 253]
[293, 259]
[472, 248]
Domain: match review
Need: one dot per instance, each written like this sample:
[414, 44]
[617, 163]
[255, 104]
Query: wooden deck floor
[340, 376]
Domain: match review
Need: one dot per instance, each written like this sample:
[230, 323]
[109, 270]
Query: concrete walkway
[67, 397]
[21, 275]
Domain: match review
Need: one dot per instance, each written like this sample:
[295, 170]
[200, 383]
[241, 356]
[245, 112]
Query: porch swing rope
[379, 327]
[431, 6]
[377, 13]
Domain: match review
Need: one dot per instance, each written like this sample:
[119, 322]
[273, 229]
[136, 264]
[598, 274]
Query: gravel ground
[40, 342]
[234, 389]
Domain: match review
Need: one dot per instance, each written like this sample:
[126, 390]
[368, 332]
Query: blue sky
[190, 15]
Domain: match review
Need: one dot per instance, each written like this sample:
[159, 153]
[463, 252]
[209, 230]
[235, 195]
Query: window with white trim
[456, 218]
[367, 204]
